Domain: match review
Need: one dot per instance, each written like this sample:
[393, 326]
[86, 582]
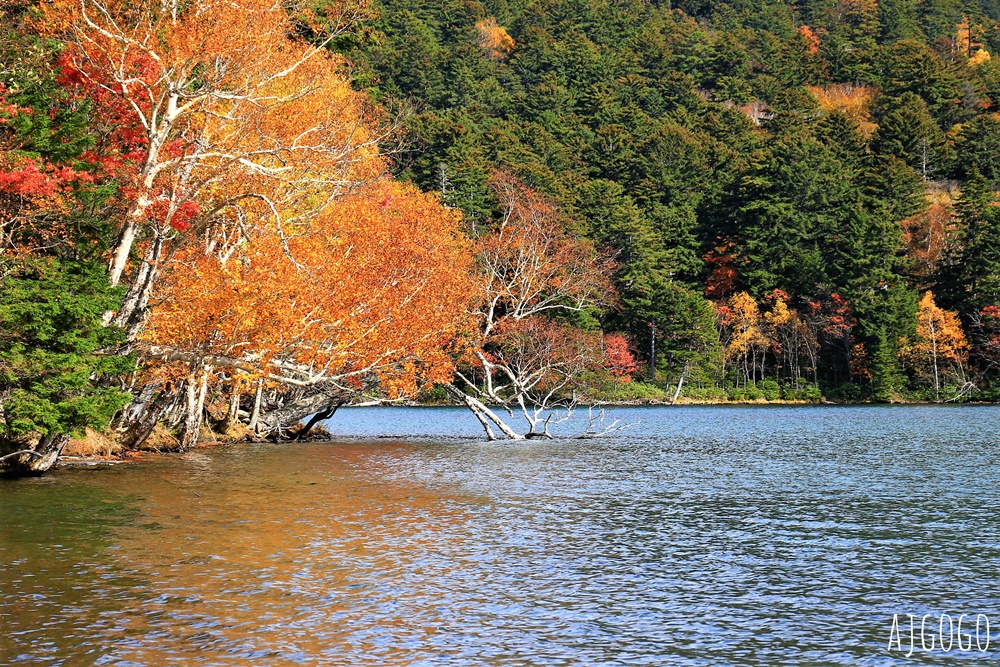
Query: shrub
[770, 388]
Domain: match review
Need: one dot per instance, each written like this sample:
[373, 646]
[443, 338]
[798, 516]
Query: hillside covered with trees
[793, 195]
[225, 219]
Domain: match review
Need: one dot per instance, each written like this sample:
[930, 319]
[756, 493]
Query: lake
[698, 536]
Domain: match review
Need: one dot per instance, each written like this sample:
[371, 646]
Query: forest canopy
[780, 185]
[238, 216]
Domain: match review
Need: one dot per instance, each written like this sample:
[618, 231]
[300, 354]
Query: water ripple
[712, 536]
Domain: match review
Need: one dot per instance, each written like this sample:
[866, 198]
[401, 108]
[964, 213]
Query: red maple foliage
[618, 357]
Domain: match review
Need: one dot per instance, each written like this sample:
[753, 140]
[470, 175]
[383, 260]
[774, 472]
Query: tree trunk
[680, 383]
[483, 413]
[255, 415]
[318, 417]
[120, 256]
[275, 421]
[232, 417]
[34, 461]
[142, 426]
[137, 407]
[202, 392]
[133, 312]
[192, 417]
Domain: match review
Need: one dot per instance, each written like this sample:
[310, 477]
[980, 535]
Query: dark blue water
[698, 536]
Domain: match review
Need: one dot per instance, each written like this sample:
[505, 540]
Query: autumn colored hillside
[225, 219]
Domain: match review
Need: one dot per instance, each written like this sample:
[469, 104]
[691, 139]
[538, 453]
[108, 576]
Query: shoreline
[81, 460]
[695, 402]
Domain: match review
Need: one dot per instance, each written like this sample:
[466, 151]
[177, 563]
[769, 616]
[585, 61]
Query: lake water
[700, 536]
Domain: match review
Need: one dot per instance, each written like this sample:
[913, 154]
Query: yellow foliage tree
[789, 336]
[493, 39]
[979, 57]
[939, 352]
[747, 342]
[853, 100]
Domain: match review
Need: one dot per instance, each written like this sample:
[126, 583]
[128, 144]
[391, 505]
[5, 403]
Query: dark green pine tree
[792, 208]
[51, 330]
[969, 277]
[908, 131]
[979, 147]
[898, 20]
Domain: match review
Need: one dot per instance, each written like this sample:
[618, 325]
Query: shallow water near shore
[698, 536]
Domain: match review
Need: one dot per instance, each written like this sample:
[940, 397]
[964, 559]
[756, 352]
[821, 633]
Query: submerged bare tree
[524, 360]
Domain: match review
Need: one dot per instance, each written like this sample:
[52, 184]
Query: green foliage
[631, 391]
[969, 278]
[710, 394]
[51, 337]
[770, 389]
[675, 136]
[979, 145]
[806, 391]
[746, 393]
[908, 132]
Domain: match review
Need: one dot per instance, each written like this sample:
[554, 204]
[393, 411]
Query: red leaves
[122, 138]
[38, 179]
[835, 317]
[532, 263]
[8, 109]
[179, 218]
[859, 363]
[618, 357]
[722, 261]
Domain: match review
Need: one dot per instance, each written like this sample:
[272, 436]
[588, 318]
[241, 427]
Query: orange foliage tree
[493, 39]
[939, 352]
[212, 118]
[619, 360]
[375, 291]
[274, 251]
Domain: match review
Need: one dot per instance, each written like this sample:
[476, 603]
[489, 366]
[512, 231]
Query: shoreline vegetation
[229, 220]
[95, 448]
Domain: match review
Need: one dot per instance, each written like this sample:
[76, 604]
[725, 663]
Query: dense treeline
[780, 185]
[218, 220]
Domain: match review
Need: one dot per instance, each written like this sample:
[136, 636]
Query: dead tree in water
[524, 361]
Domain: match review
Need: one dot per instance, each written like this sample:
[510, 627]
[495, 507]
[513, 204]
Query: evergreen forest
[796, 196]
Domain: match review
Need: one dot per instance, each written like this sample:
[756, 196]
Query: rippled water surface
[700, 536]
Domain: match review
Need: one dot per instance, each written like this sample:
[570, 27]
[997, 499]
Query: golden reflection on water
[255, 558]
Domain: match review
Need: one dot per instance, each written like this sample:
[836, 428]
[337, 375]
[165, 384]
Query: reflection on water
[701, 536]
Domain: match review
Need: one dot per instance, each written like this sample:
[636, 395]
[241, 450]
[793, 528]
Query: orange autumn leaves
[379, 286]
[257, 223]
[213, 114]
[253, 186]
